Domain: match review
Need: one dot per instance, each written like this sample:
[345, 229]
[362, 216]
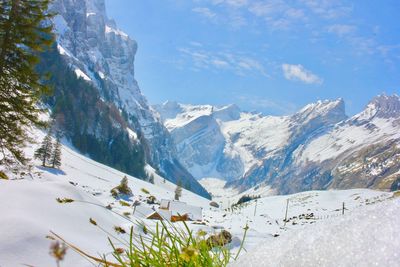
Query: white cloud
[328, 9]
[279, 24]
[233, 18]
[299, 73]
[341, 29]
[266, 8]
[238, 63]
[295, 13]
[282, 14]
[278, 15]
[364, 45]
[194, 43]
[234, 3]
[247, 63]
[236, 20]
[204, 11]
[220, 63]
[298, 17]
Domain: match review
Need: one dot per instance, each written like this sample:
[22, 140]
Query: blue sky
[271, 56]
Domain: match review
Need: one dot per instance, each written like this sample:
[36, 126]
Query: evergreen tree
[151, 179]
[55, 160]
[178, 191]
[45, 150]
[122, 188]
[24, 30]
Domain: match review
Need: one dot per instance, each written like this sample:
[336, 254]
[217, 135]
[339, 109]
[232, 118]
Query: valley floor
[314, 234]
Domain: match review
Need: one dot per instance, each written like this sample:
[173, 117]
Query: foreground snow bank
[29, 211]
[367, 237]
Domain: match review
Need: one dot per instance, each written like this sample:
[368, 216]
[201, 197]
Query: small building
[160, 215]
[177, 211]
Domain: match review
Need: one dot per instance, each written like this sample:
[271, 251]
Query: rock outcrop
[104, 56]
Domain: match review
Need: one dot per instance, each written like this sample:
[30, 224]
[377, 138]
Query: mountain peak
[168, 110]
[323, 105]
[227, 113]
[323, 108]
[96, 7]
[382, 106]
[231, 107]
[171, 104]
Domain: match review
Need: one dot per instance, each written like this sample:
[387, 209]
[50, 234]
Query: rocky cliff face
[200, 140]
[316, 148]
[362, 151]
[103, 55]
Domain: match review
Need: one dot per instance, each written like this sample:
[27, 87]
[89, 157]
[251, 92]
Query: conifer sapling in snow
[151, 179]
[55, 160]
[122, 188]
[44, 152]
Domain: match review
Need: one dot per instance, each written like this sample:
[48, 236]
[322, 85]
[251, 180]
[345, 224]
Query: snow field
[29, 211]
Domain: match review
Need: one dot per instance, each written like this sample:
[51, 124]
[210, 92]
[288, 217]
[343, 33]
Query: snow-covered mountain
[102, 55]
[315, 148]
[200, 141]
[362, 151]
[208, 141]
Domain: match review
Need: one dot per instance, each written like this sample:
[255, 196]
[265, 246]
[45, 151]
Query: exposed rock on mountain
[200, 140]
[316, 148]
[362, 151]
[103, 56]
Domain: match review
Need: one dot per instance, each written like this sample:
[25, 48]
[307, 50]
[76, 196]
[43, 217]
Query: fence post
[255, 209]
[343, 209]
[287, 206]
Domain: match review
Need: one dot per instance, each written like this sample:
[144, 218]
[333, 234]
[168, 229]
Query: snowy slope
[201, 144]
[227, 196]
[187, 113]
[254, 136]
[265, 219]
[30, 210]
[366, 237]
[350, 136]
[362, 151]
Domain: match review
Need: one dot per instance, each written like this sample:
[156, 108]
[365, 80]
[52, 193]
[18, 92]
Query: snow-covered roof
[165, 214]
[181, 208]
[164, 204]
